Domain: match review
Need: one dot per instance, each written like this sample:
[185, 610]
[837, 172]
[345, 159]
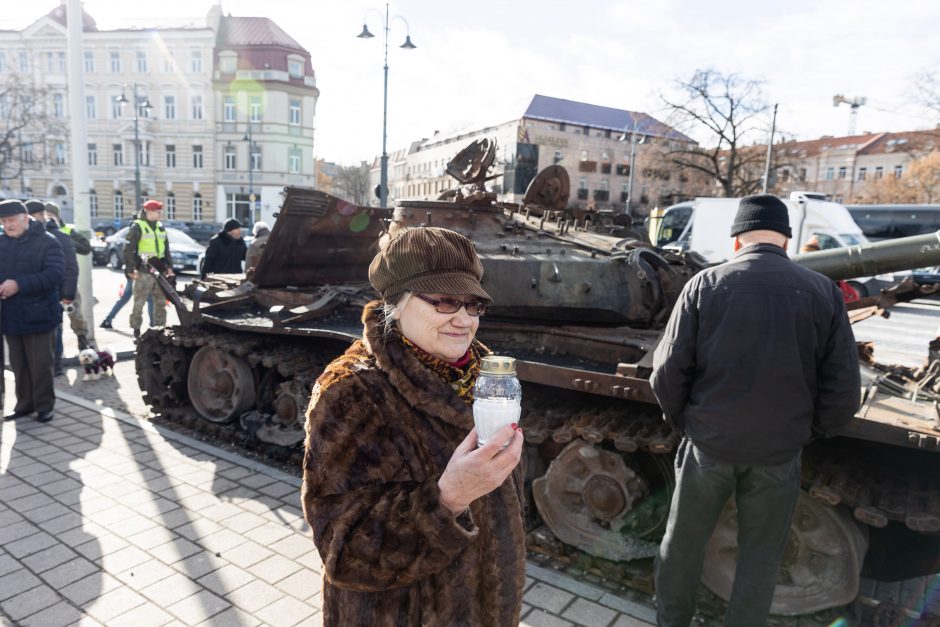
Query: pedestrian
[226, 251]
[147, 246]
[69, 289]
[260, 231]
[757, 358]
[82, 247]
[415, 525]
[124, 297]
[31, 272]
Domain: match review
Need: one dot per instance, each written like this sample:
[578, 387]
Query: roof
[866, 143]
[596, 116]
[254, 31]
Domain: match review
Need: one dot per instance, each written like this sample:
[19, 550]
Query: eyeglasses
[452, 305]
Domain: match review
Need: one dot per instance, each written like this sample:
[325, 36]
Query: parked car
[110, 227]
[184, 249]
[99, 250]
[202, 232]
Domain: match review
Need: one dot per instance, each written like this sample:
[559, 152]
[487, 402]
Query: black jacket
[70, 282]
[224, 255]
[758, 354]
[34, 261]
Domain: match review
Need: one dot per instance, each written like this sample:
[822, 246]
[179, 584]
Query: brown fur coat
[380, 429]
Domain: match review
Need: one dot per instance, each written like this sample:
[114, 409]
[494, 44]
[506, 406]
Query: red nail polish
[514, 426]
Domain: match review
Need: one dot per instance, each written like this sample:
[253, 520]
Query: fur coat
[381, 428]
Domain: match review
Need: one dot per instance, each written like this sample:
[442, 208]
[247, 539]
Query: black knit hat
[35, 206]
[11, 208]
[762, 212]
[231, 224]
[428, 259]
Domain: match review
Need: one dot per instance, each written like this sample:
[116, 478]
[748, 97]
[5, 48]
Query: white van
[704, 226]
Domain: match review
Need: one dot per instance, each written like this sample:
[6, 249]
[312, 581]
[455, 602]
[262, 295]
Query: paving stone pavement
[106, 519]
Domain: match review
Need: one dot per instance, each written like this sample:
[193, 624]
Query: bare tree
[927, 86]
[25, 120]
[352, 182]
[728, 110]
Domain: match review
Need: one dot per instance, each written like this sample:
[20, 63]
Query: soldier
[147, 245]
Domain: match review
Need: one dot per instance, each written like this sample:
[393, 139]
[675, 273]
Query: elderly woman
[414, 523]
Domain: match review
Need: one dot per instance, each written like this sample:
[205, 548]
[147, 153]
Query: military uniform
[147, 240]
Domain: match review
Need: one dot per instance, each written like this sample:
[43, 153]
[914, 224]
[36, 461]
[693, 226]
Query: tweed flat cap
[11, 208]
[35, 206]
[430, 260]
[761, 212]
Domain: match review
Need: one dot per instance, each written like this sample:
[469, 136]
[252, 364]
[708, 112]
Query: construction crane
[854, 104]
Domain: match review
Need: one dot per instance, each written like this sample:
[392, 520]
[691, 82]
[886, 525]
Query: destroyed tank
[581, 312]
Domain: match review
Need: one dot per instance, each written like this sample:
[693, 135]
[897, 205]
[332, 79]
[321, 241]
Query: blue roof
[595, 116]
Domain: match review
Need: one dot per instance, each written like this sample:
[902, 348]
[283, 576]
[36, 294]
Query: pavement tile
[257, 480]
[30, 544]
[124, 558]
[136, 524]
[232, 617]
[113, 603]
[25, 471]
[67, 484]
[48, 558]
[587, 612]
[47, 512]
[112, 516]
[7, 564]
[220, 511]
[200, 607]
[157, 506]
[66, 522]
[150, 538]
[78, 536]
[227, 578]
[179, 492]
[303, 584]
[254, 595]
[197, 529]
[247, 554]
[61, 613]
[538, 618]
[311, 560]
[235, 472]
[16, 582]
[137, 496]
[175, 550]
[145, 574]
[286, 611]
[275, 568]
[16, 531]
[547, 597]
[262, 505]
[625, 620]
[245, 521]
[29, 602]
[222, 540]
[72, 498]
[268, 533]
[280, 489]
[171, 589]
[69, 572]
[240, 495]
[199, 564]
[8, 516]
[293, 546]
[626, 606]
[16, 490]
[174, 518]
[146, 615]
[94, 502]
[199, 502]
[32, 501]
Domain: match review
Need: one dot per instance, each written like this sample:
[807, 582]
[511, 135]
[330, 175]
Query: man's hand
[9, 288]
[474, 472]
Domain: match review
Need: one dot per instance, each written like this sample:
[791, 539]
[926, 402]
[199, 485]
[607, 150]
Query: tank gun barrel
[905, 253]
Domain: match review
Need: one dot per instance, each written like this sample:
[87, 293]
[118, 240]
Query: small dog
[96, 362]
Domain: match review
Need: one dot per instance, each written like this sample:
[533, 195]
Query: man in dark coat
[55, 225]
[31, 273]
[226, 250]
[758, 356]
[69, 287]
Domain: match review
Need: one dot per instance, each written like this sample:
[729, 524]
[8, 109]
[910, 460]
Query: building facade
[165, 87]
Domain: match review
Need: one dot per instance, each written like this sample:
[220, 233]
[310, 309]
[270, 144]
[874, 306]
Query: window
[830, 173]
[143, 107]
[58, 105]
[92, 154]
[170, 206]
[197, 157]
[879, 172]
[116, 108]
[24, 62]
[784, 176]
[169, 107]
[254, 109]
[117, 154]
[229, 158]
[802, 174]
[197, 107]
[842, 171]
[255, 157]
[584, 155]
[605, 156]
[197, 206]
[170, 156]
[293, 160]
[296, 69]
[227, 63]
[115, 62]
[228, 109]
[294, 113]
[557, 157]
[898, 171]
[143, 153]
[587, 130]
[118, 204]
[93, 203]
[50, 57]
[582, 183]
[58, 153]
[169, 63]
[605, 185]
[89, 56]
[861, 173]
[28, 152]
[195, 58]
[91, 108]
[3, 61]
[141, 61]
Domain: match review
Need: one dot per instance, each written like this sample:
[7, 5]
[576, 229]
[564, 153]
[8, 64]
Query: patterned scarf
[460, 375]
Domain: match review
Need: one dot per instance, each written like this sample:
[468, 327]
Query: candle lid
[497, 364]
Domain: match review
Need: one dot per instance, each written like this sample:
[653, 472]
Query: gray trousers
[31, 358]
[765, 497]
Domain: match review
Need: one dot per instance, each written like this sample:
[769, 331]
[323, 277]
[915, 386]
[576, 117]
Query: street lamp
[146, 106]
[251, 171]
[365, 34]
[633, 143]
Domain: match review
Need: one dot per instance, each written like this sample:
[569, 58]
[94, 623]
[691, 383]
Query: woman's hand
[473, 472]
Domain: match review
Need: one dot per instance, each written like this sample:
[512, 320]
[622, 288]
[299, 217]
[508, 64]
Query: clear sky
[480, 62]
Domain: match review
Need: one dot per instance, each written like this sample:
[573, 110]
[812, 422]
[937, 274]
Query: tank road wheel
[592, 499]
[221, 385]
[161, 371]
[820, 567]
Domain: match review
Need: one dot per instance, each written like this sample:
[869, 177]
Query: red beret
[153, 205]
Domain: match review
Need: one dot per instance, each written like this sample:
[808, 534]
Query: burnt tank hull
[582, 312]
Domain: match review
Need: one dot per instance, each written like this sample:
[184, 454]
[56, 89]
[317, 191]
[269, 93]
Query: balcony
[587, 166]
[582, 194]
[601, 195]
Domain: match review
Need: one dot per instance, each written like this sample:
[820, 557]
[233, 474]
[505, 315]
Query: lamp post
[365, 34]
[633, 143]
[137, 107]
[251, 171]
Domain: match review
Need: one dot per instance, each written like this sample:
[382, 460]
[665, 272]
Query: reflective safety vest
[152, 242]
[65, 228]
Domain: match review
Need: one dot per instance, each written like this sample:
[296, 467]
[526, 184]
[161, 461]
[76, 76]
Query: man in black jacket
[226, 250]
[31, 272]
[758, 356]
